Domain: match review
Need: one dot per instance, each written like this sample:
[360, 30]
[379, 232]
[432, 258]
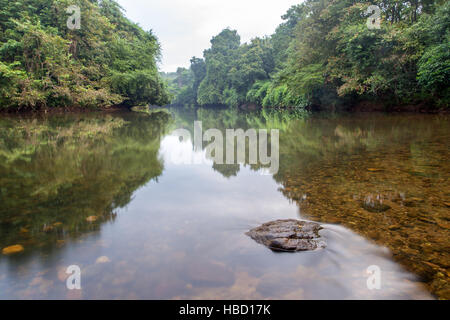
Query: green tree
[110, 60]
[219, 61]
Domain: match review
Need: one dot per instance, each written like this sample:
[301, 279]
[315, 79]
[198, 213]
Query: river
[103, 192]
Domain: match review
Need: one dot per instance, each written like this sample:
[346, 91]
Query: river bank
[363, 106]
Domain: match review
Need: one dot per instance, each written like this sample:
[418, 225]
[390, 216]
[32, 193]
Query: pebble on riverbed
[102, 260]
[288, 236]
[92, 219]
[375, 204]
[13, 249]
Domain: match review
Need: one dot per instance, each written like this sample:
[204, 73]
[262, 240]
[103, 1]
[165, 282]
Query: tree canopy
[44, 64]
[324, 55]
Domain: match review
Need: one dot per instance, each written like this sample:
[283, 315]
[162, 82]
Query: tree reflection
[63, 176]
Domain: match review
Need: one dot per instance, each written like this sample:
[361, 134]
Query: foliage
[43, 64]
[337, 57]
[324, 56]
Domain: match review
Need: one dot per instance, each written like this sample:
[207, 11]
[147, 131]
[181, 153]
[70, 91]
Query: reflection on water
[102, 192]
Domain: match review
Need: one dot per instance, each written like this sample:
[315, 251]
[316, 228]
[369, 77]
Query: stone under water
[13, 249]
[375, 207]
[288, 235]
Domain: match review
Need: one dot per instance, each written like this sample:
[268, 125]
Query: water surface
[102, 192]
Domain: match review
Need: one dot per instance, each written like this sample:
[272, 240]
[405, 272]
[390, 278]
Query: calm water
[103, 192]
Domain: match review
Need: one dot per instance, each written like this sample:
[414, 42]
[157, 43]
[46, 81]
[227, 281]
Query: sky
[185, 27]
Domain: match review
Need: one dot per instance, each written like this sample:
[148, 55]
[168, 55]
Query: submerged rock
[375, 204]
[92, 219]
[376, 207]
[288, 235]
[413, 202]
[102, 260]
[13, 249]
[209, 274]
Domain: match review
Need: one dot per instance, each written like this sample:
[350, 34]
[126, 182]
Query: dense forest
[44, 64]
[328, 55]
[324, 55]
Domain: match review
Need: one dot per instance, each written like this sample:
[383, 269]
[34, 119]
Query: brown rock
[427, 220]
[102, 260]
[91, 219]
[13, 249]
[413, 202]
[443, 224]
[394, 227]
[375, 206]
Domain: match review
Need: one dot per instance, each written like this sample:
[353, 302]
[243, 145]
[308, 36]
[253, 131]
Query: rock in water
[288, 235]
[91, 219]
[103, 259]
[375, 204]
[375, 207]
[13, 249]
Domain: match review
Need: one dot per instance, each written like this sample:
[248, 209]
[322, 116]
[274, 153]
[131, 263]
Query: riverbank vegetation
[43, 64]
[325, 56]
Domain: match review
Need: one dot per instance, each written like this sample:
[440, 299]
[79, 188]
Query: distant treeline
[324, 55]
[45, 64]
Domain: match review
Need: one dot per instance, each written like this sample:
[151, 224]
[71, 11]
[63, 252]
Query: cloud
[185, 27]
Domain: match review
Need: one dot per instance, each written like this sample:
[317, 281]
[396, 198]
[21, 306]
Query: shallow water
[103, 192]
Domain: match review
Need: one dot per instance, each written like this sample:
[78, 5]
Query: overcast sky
[185, 27]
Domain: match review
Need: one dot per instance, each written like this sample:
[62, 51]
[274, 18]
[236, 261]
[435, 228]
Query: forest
[108, 61]
[324, 56]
